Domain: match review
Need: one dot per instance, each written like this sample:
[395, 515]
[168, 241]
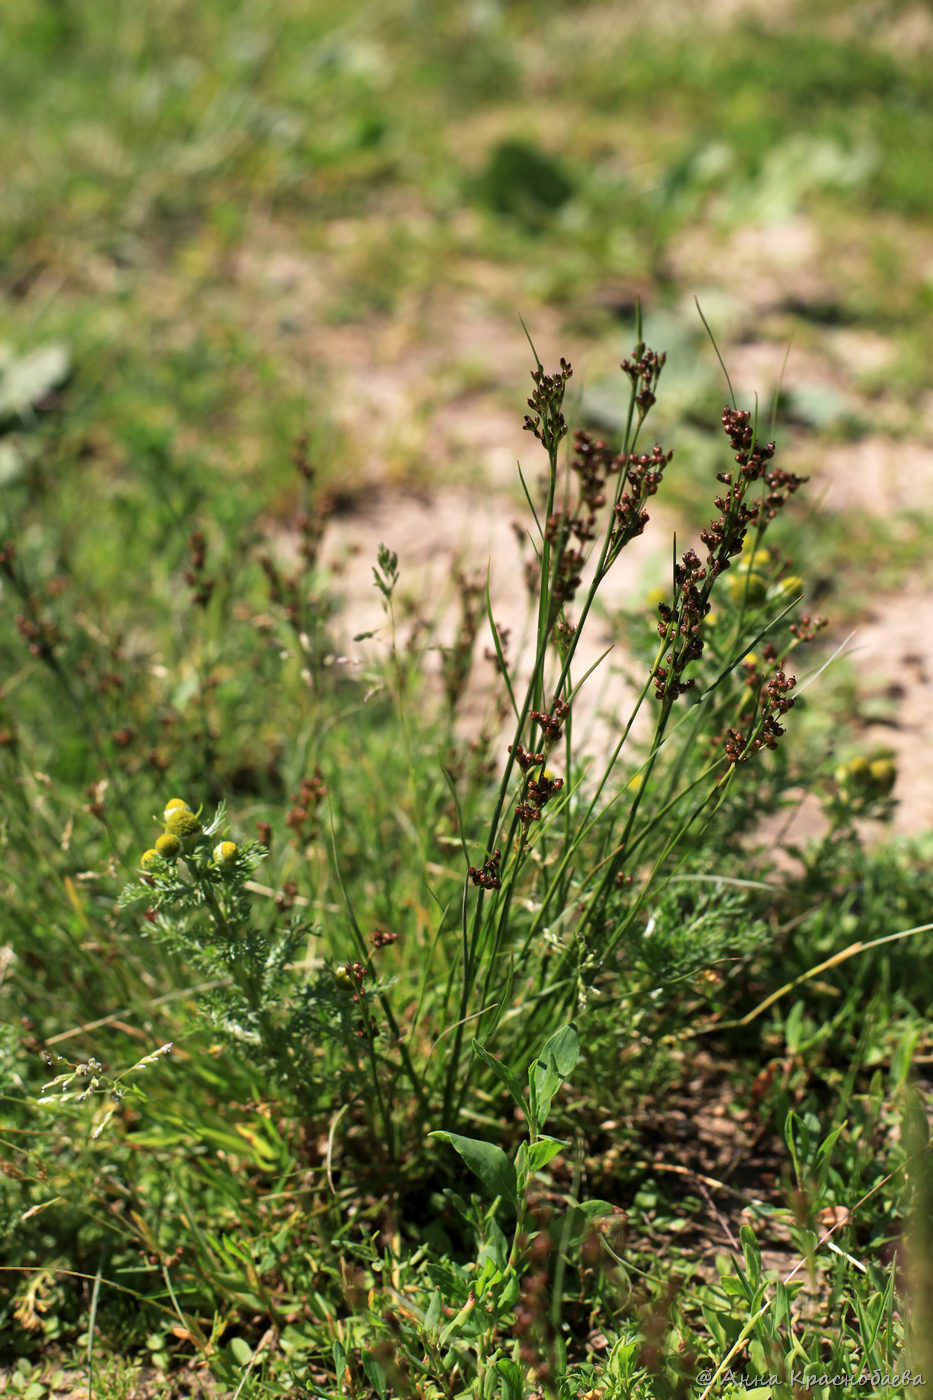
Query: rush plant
[577, 855]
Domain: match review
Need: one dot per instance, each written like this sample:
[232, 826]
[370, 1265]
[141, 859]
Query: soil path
[444, 389]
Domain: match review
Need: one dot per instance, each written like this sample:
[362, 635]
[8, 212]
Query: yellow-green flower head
[754, 558]
[345, 979]
[174, 804]
[790, 587]
[184, 824]
[226, 852]
[748, 588]
[147, 857]
[882, 774]
[168, 846]
[856, 774]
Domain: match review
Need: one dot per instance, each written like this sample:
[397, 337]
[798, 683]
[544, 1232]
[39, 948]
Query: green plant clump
[449, 937]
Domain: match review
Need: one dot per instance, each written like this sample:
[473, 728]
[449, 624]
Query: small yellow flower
[174, 804]
[754, 558]
[790, 587]
[226, 852]
[168, 846]
[748, 588]
[184, 824]
[147, 857]
[854, 776]
[882, 774]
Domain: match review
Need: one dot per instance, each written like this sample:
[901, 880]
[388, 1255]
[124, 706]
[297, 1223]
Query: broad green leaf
[752, 1254]
[453, 1281]
[487, 1277]
[487, 1161]
[582, 1218]
[509, 1295]
[513, 1382]
[374, 1373]
[542, 1151]
[240, 1350]
[433, 1315]
[543, 1083]
[502, 1073]
[495, 1245]
[562, 1050]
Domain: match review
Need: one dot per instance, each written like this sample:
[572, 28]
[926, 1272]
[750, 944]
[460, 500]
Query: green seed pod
[226, 852]
[174, 804]
[345, 979]
[168, 846]
[146, 858]
[185, 825]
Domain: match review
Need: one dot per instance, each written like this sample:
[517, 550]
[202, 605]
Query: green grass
[323, 1188]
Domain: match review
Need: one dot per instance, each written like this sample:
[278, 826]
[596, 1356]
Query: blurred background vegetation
[223, 227]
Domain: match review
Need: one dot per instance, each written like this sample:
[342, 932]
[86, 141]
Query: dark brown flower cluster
[95, 793]
[644, 370]
[682, 624]
[593, 464]
[592, 461]
[753, 458]
[285, 899]
[492, 655]
[775, 699]
[643, 471]
[552, 722]
[488, 877]
[537, 793]
[524, 758]
[567, 562]
[40, 634]
[382, 940]
[546, 419]
[301, 816]
[806, 629]
[197, 580]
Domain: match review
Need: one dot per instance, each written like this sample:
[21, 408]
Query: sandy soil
[437, 396]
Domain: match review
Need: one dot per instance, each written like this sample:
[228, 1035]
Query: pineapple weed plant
[346, 1186]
